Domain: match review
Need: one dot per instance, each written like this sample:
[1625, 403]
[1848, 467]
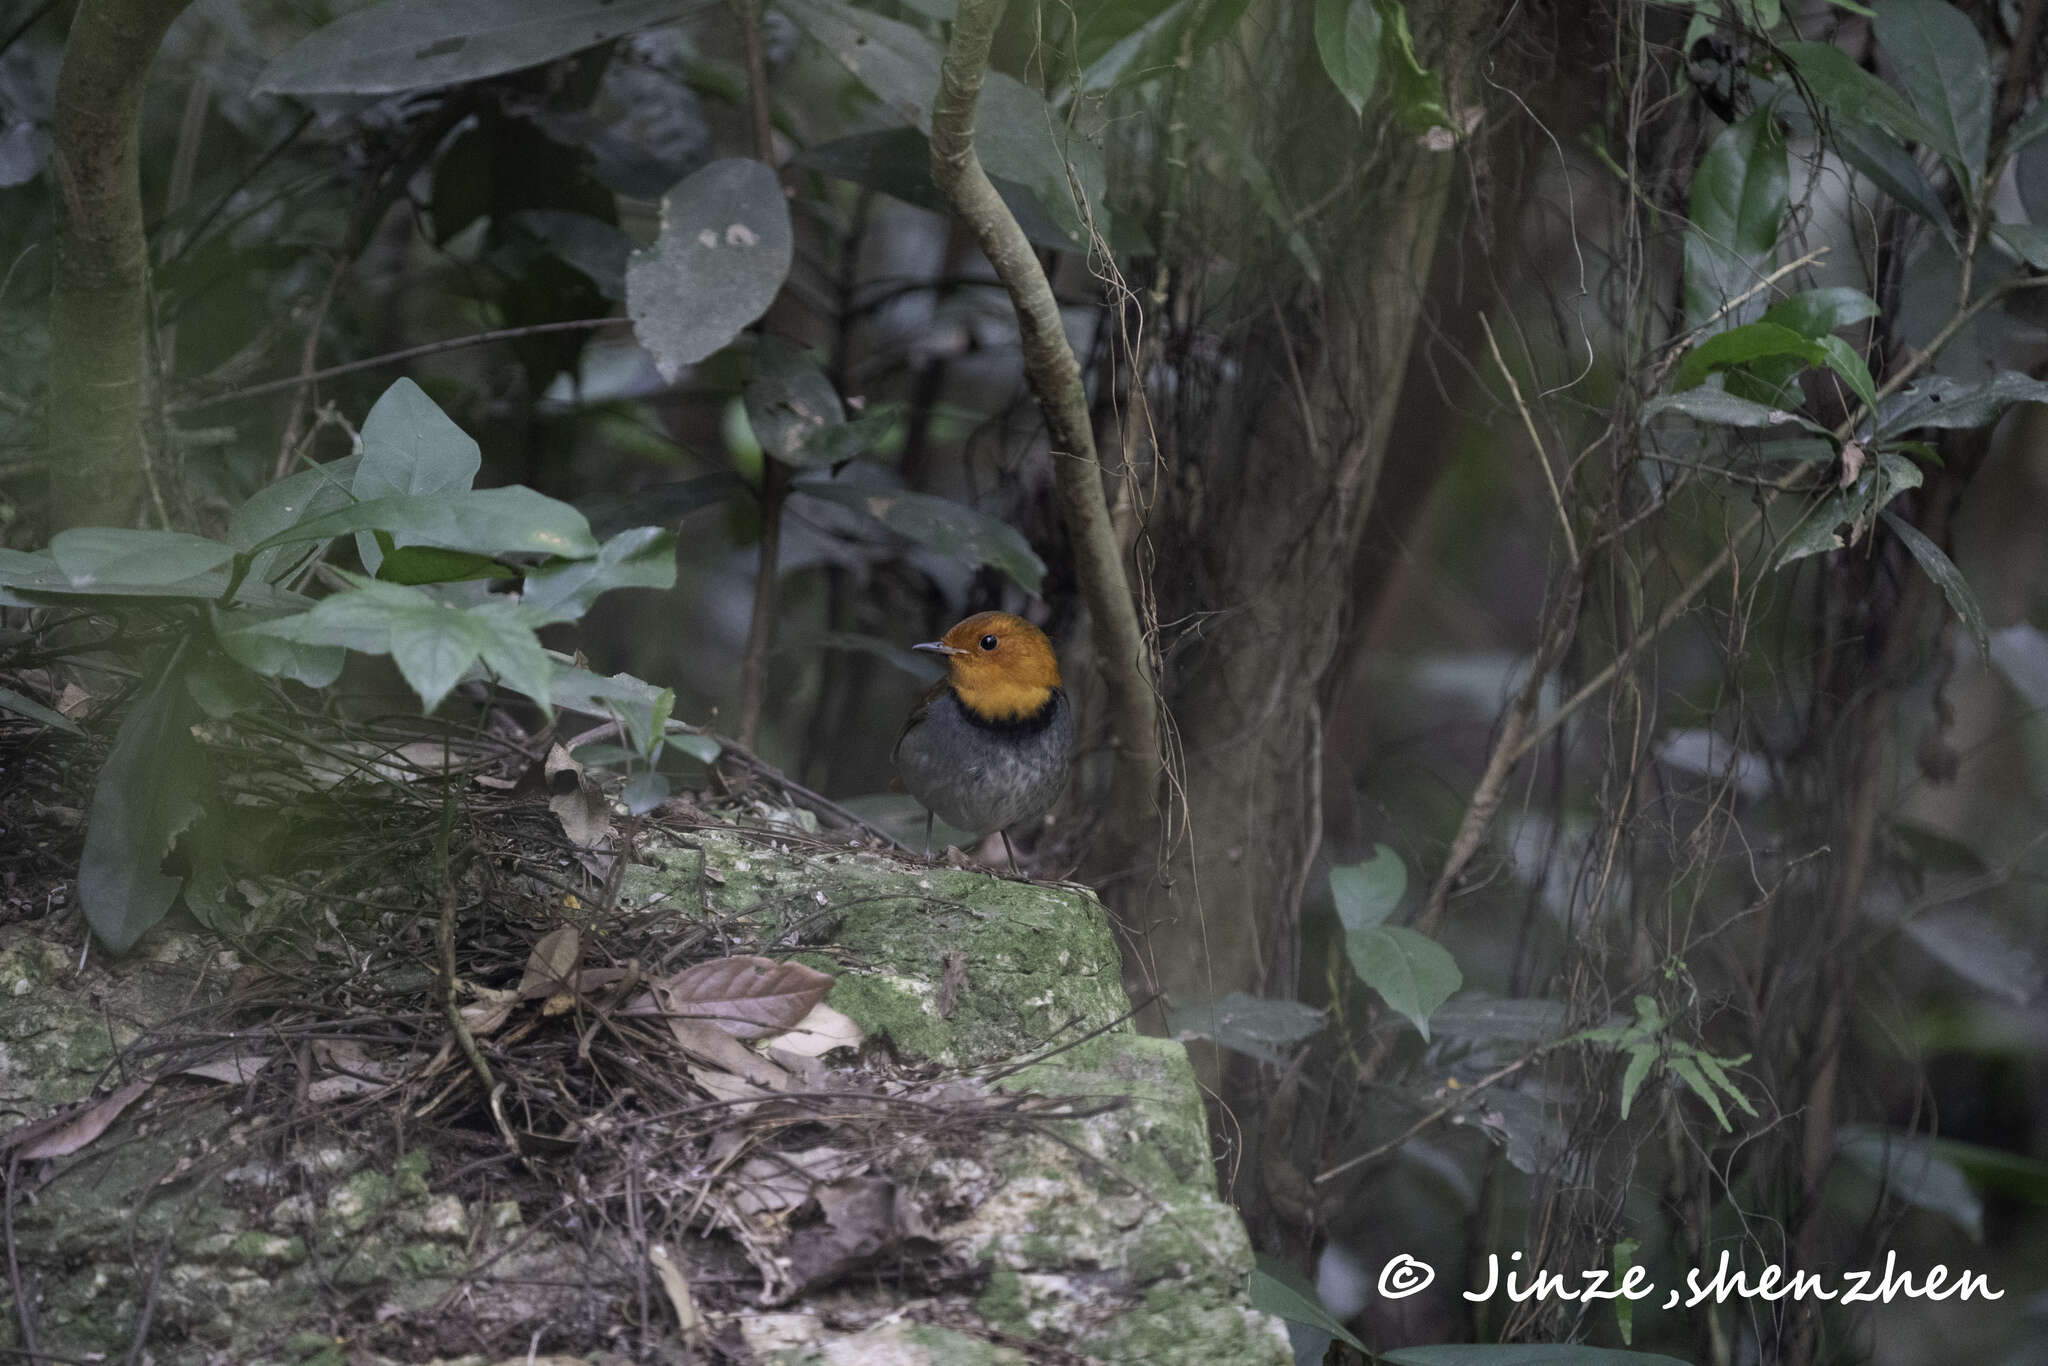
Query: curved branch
[1055, 378]
[99, 307]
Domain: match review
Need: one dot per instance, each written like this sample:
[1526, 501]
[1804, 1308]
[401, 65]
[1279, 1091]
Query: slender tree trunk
[100, 382]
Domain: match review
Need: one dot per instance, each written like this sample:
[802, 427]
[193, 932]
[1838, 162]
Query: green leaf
[1740, 345]
[1939, 401]
[409, 447]
[722, 254]
[643, 557]
[1722, 409]
[10, 700]
[153, 787]
[1418, 93]
[507, 521]
[433, 643]
[791, 405]
[702, 748]
[1016, 135]
[1412, 972]
[1942, 65]
[1348, 39]
[1892, 169]
[1623, 1259]
[412, 44]
[1850, 94]
[1815, 534]
[1280, 1290]
[639, 704]
[644, 791]
[2027, 241]
[316, 666]
[428, 564]
[1522, 1354]
[1154, 48]
[1913, 1169]
[1640, 1059]
[1739, 198]
[1367, 893]
[1257, 1026]
[941, 524]
[222, 688]
[296, 498]
[2028, 128]
[1686, 1068]
[96, 556]
[1946, 576]
[1844, 360]
[1818, 312]
[1718, 1075]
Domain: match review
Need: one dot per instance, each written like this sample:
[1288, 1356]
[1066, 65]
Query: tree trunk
[99, 294]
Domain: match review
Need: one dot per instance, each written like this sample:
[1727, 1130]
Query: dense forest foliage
[1540, 505]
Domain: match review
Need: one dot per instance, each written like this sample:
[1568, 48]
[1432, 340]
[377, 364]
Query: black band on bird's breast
[1020, 727]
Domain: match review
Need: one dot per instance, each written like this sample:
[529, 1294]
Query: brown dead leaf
[550, 966]
[747, 996]
[818, 1033]
[735, 1072]
[1852, 463]
[64, 1138]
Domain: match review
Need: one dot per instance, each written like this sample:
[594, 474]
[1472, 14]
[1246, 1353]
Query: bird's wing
[917, 714]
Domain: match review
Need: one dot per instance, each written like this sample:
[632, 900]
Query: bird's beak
[939, 647]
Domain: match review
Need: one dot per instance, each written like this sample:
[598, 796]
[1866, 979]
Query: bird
[991, 744]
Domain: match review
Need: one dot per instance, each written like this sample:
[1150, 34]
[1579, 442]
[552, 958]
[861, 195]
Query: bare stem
[1055, 378]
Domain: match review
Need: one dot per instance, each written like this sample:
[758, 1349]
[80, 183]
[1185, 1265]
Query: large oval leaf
[723, 253]
[411, 44]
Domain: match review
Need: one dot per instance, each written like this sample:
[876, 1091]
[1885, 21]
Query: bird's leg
[1009, 853]
[927, 835]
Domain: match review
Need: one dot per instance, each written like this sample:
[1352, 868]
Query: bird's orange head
[1002, 667]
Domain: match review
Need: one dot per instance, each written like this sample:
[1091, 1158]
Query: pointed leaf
[1348, 40]
[1892, 169]
[747, 996]
[1412, 972]
[1941, 63]
[152, 788]
[1280, 1290]
[791, 404]
[1721, 408]
[409, 447]
[643, 557]
[1939, 401]
[1946, 576]
[1739, 198]
[1367, 893]
[1913, 1169]
[507, 521]
[1639, 1060]
[1817, 312]
[1687, 1069]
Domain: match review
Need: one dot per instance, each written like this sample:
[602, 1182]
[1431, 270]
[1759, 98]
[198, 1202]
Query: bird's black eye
[988, 642]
